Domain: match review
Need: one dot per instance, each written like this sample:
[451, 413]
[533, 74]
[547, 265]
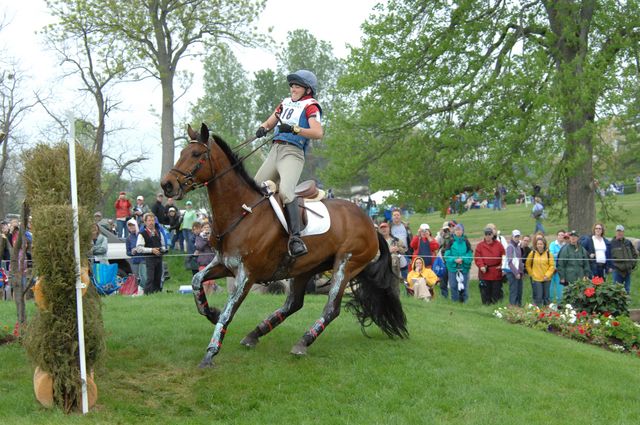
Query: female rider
[296, 120]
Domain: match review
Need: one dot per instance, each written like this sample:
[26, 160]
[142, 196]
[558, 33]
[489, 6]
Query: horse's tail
[376, 296]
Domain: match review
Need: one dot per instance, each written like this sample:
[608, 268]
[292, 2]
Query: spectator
[174, 220]
[137, 262]
[599, 249]
[488, 258]
[205, 255]
[497, 201]
[191, 260]
[444, 238]
[421, 280]
[139, 210]
[188, 218]
[401, 231]
[424, 245]
[152, 244]
[396, 247]
[573, 261]
[99, 246]
[537, 212]
[458, 257]
[624, 257]
[503, 241]
[555, 289]
[638, 183]
[123, 212]
[515, 269]
[158, 209]
[541, 268]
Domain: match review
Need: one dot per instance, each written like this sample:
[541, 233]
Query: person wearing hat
[515, 270]
[458, 257]
[424, 245]
[624, 256]
[188, 218]
[573, 261]
[138, 266]
[396, 247]
[488, 259]
[445, 238]
[123, 212]
[139, 210]
[296, 120]
[158, 209]
[400, 230]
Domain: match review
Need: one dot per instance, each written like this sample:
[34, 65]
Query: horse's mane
[236, 162]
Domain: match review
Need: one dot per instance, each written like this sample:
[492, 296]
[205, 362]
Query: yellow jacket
[429, 276]
[540, 266]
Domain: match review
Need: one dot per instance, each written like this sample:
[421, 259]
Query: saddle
[307, 191]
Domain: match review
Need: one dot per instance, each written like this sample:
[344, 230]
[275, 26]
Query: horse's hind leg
[294, 302]
[331, 309]
[213, 270]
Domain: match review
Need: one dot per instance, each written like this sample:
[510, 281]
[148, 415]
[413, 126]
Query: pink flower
[589, 292]
[597, 280]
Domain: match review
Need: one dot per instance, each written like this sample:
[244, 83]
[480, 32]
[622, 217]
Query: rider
[296, 120]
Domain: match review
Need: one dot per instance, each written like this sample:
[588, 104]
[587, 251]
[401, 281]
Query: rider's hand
[286, 128]
[261, 132]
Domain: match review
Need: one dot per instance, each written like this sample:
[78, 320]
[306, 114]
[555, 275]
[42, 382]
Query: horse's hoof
[249, 341]
[206, 363]
[299, 350]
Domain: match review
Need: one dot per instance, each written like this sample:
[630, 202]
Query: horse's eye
[197, 154]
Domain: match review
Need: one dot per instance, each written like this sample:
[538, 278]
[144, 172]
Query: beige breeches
[283, 165]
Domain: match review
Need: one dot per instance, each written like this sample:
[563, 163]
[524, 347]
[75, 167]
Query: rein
[190, 183]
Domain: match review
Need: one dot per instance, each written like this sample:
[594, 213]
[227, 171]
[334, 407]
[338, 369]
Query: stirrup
[295, 241]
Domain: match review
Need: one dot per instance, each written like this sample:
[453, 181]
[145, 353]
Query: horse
[250, 244]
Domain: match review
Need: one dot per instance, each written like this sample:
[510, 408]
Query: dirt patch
[7, 339]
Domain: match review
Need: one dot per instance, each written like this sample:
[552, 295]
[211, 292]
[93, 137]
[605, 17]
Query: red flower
[606, 314]
[581, 330]
[615, 323]
[589, 292]
[597, 280]
[584, 313]
[541, 316]
[16, 330]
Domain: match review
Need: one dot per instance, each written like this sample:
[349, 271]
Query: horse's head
[193, 168]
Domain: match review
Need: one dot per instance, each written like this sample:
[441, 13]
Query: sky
[335, 21]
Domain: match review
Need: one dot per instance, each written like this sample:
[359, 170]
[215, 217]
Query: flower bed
[619, 334]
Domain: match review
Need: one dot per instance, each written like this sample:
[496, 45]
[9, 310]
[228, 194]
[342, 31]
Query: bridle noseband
[188, 181]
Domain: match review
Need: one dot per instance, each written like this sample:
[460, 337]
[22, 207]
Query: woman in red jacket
[488, 258]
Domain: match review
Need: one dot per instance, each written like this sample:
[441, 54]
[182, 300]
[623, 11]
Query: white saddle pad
[318, 219]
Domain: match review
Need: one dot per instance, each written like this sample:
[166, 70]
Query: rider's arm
[314, 131]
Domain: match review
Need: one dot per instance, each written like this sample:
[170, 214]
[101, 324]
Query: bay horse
[251, 245]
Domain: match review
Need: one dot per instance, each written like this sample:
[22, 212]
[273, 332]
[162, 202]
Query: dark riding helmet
[304, 78]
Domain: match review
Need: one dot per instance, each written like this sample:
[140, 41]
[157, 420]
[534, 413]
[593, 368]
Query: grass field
[460, 366]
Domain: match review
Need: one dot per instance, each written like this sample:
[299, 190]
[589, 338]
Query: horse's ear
[204, 133]
[192, 134]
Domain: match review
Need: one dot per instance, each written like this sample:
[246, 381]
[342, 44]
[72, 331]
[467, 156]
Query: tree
[162, 32]
[269, 90]
[483, 93]
[226, 104]
[97, 59]
[13, 106]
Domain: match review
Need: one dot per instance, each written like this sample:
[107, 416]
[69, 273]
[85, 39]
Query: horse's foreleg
[294, 302]
[235, 299]
[331, 309]
[212, 271]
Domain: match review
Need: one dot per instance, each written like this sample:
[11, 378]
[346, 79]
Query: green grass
[460, 366]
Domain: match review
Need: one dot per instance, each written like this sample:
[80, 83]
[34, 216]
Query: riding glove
[261, 132]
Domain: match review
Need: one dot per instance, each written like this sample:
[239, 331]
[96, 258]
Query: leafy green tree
[270, 88]
[226, 103]
[159, 33]
[445, 95]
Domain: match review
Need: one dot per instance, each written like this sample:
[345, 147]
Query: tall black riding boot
[296, 246]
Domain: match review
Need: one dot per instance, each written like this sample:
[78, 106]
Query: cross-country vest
[293, 113]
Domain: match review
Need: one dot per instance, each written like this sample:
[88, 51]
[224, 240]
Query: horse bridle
[188, 181]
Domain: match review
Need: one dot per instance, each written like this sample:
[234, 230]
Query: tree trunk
[168, 143]
[581, 202]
